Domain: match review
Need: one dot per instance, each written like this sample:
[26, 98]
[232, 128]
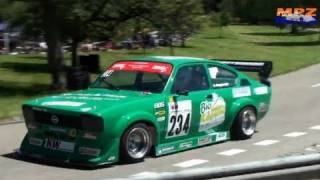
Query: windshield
[148, 77]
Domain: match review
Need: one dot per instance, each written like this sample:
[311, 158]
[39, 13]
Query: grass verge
[25, 76]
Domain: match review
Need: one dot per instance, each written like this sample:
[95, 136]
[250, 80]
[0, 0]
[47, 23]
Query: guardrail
[239, 169]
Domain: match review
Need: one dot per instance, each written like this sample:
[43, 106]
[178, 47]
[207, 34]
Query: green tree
[221, 19]
[73, 19]
[180, 17]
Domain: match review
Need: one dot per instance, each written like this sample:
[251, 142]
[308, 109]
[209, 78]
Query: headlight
[92, 123]
[29, 117]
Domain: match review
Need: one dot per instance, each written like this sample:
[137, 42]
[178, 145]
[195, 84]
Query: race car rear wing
[263, 68]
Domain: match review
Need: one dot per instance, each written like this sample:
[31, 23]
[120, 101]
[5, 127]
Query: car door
[189, 89]
[222, 82]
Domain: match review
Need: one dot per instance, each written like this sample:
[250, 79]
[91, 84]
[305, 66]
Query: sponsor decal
[107, 73]
[221, 85]
[222, 136]
[261, 90]
[166, 149]
[160, 113]
[119, 66]
[241, 92]
[151, 67]
[158, 105]
[89, 151]
[179, 118]
[35, 141]
[212, 113]
[62, 103]
[204, 140]
[186, 145]
[162, 69]
[66, 146]
[299, 15]
[90, 135]
[161, 118]
[55, 144]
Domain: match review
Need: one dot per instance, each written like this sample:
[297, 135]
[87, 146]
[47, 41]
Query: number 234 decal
[179, 118]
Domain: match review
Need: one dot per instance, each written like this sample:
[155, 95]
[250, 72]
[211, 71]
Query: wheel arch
[130, 120]
[238, 106]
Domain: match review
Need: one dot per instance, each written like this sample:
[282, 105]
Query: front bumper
[108, 155]
[56, 160]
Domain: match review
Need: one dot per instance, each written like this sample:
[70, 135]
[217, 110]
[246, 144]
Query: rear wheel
[136, 143]
[245, 124]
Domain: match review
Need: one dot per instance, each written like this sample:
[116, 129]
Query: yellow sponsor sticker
[160, 113]
[171, 99]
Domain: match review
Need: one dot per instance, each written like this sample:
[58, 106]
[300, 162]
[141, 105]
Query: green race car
[154, 104]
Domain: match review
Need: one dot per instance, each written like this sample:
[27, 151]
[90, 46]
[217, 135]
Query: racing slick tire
[136, 143]
[245, 124]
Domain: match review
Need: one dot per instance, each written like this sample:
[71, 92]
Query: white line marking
[295, 134]
[144, 174]
[309, 149]
[315, 127]
[316, 85]
[231, 152]
[190, 163]
[266, 142]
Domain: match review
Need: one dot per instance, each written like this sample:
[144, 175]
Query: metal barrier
[239, 169]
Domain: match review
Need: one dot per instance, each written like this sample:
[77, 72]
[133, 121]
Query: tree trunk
[54, 52]
[171, 47]
[294, 29]
[183, 41]
[74, 52]
[55, 61]
[220, 32]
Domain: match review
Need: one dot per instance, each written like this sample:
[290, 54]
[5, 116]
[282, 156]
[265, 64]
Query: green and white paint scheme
[87, 126]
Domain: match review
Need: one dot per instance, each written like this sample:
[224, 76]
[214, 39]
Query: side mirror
[183, 92]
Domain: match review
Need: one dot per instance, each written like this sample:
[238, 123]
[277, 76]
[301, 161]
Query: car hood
[91, 100]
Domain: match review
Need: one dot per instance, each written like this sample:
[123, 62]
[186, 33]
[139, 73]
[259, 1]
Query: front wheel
[245, 124]
[136, 143]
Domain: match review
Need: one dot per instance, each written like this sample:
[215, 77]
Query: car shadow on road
[56, 164]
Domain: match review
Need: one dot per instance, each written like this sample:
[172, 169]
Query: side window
[190, 78]
[221, 77]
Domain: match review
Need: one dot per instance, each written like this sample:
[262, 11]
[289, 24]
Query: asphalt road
[291, 127]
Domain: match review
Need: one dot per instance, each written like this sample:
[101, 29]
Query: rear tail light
[92, 123]
[29, 117]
